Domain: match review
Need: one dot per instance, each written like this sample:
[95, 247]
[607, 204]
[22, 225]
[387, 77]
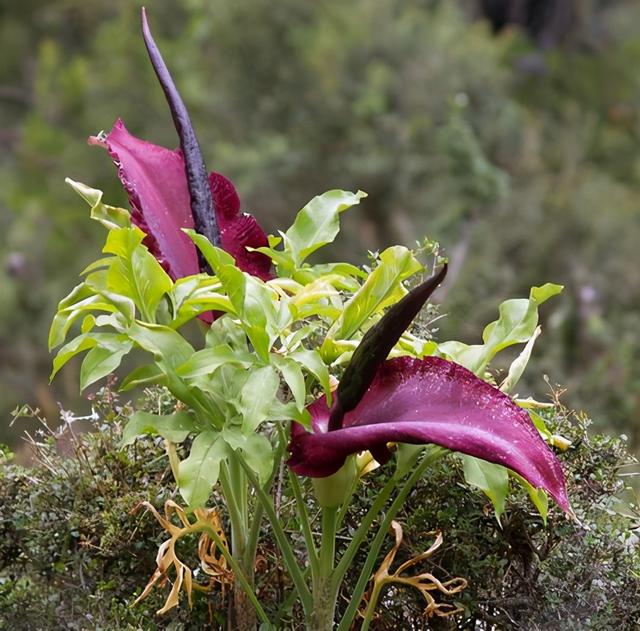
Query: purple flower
[169, 190]
[410, 400]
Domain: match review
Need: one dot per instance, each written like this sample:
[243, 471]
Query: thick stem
[234, 485]
[324, 592]
[243, 613]
[241, 578]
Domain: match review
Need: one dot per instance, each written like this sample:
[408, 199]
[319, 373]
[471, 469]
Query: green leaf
[198, 473]
[123, 241]
[108, 216]
[122, 305]
[71, 349]
[406, 458]
[537, 496]
[256, 450]
[518, 318]
[520, 363]
[280, 411]
[204, 362]
[540, 425]
[101, 361]
[169, 348]
[259, 315]
[141, 278]
[469, 356]
[174, 427]
[317, 224]
[216, 257]
[312, 362]
[97, 279]
[194, 295]
[77, 295]
[142, 376]
[98, 264]
[292, 374]
[112, 342]
[346, 272]
[134, 273]
[319, 297]
[88, 323]
[338, 352]
[252, 300]
[416, 346]
[382, 288]
[282, 259]
[492, 479]
[517, 323]
[226, 330]
[257, 396]
[81, 300]
[64, 320]
[293, 339]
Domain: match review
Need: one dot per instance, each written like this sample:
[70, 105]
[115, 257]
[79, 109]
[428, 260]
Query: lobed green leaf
[516, 325]
[492, 479]
[382, 288]
[198, 473]
[174, 427]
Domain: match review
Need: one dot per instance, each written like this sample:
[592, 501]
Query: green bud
[334, 489]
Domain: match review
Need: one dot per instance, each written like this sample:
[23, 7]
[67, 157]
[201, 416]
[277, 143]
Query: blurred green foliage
[523, 163]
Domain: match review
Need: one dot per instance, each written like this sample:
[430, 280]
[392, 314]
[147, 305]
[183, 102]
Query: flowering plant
[317, 361]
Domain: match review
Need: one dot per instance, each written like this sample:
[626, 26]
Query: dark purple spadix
[169, 190]
[376, 346]
[202, 205]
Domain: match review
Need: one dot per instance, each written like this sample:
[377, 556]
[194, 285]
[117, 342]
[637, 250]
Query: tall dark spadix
[202, 205]
[376, 345]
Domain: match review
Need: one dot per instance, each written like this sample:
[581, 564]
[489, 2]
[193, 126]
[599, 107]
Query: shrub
[74, 554]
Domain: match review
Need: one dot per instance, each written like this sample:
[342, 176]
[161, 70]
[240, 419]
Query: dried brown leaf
[424, 582]
[212, 563]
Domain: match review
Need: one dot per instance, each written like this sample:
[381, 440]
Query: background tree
[523, 162]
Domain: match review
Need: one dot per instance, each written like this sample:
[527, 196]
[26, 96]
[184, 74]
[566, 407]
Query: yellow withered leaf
[424, 582]
[213, 564]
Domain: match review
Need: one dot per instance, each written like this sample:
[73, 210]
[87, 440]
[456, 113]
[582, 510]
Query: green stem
[235, 513]
[258, 509]
[328, 544]
[324, 593]
[347, 501]
[287, 604]
[234, 484]
[288, 556]
[305, 524]
[239, 576]
[361, 533]
[378, 540]
[254, 534]
[371, 606]
[240, 488]
[301, 509]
